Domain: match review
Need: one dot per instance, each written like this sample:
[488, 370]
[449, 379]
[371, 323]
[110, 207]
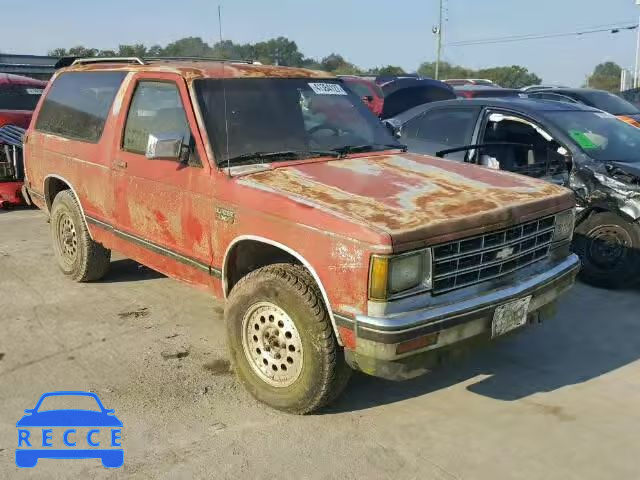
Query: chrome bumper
[378, 337]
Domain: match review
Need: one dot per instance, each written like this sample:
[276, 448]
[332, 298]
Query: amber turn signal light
[417, 343]
[379, 278]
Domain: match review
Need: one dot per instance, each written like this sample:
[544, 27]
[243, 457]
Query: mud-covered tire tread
[600, 278]
[334, 377]
[97, 259]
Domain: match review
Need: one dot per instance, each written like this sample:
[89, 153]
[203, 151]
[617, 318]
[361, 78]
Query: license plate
[510, 316]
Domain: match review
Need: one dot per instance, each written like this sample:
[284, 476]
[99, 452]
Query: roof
[482, 88]
[201, 68]
[8, 78]
[515, 103]
[573, 90]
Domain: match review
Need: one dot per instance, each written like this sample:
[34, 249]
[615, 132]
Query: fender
[291, 252]
[73, 190]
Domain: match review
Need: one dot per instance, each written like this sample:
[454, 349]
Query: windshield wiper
[280, 156]
[347, 149]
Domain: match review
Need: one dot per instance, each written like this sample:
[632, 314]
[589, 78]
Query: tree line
[282, 51]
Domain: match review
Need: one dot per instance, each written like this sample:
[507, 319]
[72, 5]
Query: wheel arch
[227, 281]
[54, 184]
[599, 208]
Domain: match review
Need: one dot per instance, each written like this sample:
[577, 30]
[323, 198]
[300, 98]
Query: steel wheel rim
[67, 237]
[608, 245]
[272, 344]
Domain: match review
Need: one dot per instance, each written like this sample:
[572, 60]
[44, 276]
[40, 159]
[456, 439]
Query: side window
[450, 127]
[156, 108]
[78, 104]
[519, 147]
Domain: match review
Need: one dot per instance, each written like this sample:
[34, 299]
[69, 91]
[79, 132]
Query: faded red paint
[332, 213]
[415, 198]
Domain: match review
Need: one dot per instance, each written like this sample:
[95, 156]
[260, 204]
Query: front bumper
[385, 345]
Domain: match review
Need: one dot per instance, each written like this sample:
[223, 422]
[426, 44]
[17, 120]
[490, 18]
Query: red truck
[277, 189]
[18, 98]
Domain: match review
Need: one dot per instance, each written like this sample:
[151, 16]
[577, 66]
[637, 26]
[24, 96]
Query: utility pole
[635, 72]
[438, 31]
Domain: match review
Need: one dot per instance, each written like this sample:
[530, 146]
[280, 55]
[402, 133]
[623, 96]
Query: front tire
[78, 256]
[609, 247]
[281, 340]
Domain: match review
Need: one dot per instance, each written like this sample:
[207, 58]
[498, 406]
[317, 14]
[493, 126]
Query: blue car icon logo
[64, 433]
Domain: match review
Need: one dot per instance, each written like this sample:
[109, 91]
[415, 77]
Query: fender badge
[225, 215]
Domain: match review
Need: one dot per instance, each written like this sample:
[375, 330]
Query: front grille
[476, 259]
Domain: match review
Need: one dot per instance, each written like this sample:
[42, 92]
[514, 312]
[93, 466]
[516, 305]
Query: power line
[612, 28]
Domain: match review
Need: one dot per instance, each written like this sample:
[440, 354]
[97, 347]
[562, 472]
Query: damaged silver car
[588, 150]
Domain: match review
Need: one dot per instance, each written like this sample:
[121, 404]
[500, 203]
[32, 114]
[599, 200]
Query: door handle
[121, 164]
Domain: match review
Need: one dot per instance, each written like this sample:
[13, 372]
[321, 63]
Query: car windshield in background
[19, 97]
[609, 103]
[282, 119]
[600, 135]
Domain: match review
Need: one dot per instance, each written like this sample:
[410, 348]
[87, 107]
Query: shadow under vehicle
[590, 151]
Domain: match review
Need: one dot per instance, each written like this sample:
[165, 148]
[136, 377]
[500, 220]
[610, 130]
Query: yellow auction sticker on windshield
[327, 89]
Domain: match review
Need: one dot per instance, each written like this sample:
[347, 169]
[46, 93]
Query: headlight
[565, 222]
[393, 274]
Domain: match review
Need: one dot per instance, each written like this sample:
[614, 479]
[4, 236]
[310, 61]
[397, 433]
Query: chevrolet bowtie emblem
[504, 253]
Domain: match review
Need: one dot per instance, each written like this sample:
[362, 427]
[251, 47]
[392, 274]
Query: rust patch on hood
[415, 198]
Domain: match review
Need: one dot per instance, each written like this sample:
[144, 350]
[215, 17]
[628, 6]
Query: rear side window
[19, 97]
[77, 104]
[452, 127]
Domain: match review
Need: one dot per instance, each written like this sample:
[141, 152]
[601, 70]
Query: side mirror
[394, 127]
[368, 98]
[166, 146]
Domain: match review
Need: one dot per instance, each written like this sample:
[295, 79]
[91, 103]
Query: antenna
[224, 95]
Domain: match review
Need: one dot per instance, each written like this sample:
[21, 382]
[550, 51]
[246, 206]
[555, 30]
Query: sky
[368, 33]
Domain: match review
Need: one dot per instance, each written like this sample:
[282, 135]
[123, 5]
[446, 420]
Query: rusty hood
[416, 199]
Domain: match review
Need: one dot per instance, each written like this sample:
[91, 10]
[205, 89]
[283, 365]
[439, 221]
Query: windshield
[301, 117]
[609, 103]
[600, 135]
[19, 97]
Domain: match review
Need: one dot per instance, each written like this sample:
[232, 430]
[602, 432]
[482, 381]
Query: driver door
[163, 201]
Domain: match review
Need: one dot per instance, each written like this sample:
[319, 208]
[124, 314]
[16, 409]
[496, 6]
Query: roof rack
[85, 61]
[201, 59]
[68, 61]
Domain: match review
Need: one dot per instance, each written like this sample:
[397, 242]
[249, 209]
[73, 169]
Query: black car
[401, 94]
[632, 96]
[599, 99]
[583, 148]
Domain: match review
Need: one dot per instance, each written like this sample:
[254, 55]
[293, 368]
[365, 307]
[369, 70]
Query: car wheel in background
[281, 340]
[78, 256]
[609, 247]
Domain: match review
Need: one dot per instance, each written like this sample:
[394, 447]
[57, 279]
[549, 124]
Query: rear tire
[281, 340]
[78, 256]
[609, 247]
